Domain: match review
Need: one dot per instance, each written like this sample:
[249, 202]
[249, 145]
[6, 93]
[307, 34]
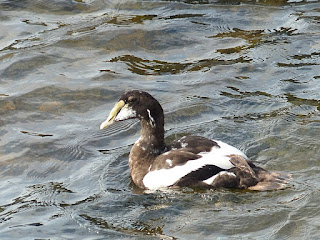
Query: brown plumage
[191, 161]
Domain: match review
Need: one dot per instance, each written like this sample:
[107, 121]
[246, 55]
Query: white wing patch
[229, 150]
[211, 179]
[169, 162]
[219, 156]
[167, 177]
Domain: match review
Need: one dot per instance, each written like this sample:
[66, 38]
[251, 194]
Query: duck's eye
[132, 99]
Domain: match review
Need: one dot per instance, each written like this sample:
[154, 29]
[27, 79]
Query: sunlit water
[245, 72]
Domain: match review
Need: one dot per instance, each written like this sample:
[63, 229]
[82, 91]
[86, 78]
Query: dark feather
[195, 178]
[194, 144]
[177, 157]
[150, 153]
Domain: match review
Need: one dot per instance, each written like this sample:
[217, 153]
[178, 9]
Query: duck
[191, 161]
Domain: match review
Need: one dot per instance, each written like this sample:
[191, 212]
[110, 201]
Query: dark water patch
[198, 97]
[312, 16]
[141, 19]
[30, 224]
[253, 38]
[35, 195]
[304, 56]
[109, 71]
[27, 21]
[139, 228]
[258, 116]
[19, 43]
[110, 151]
[150, 67]
[36, 134]
[300, 101]
[127, 20]
[156, 67]
[294, 81]
[297, 64]
[84, 29]
[288, 31]
[244, 94]
[187, 15]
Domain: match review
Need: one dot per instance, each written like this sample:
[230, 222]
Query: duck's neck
[146, 149]
[152, 135]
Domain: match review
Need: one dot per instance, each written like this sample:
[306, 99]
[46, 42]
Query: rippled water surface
[245, 72]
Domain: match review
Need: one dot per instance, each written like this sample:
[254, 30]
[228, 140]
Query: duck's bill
[114, 112]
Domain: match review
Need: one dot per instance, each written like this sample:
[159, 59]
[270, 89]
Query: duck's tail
[256, 178]
[272, 180]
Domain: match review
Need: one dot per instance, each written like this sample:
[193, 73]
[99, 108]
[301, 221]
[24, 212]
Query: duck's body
[192, 161]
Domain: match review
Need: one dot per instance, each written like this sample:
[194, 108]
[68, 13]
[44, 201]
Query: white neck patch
[152, 122]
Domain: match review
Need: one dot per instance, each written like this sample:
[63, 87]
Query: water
[245, 72]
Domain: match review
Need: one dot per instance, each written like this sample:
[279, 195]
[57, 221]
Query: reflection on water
[246, 72]
[156, 67]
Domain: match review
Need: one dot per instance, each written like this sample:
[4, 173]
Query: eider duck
[191, 161]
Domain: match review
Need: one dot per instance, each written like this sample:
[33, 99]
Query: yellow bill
[115, 110]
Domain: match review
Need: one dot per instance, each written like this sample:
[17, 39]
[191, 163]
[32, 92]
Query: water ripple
[156, 67]
[245, 72]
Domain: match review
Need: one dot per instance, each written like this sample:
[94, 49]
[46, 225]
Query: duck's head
[135, 104]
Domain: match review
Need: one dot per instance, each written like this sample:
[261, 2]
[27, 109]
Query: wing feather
[164, 173]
